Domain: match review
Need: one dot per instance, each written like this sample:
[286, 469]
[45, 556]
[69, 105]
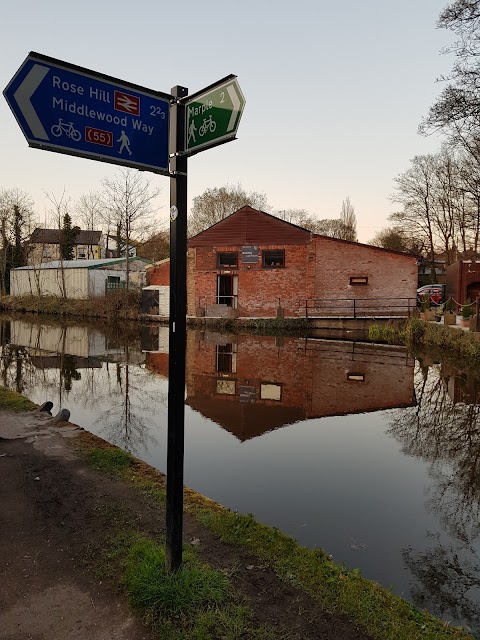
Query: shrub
[467, 309]
[449, 305]
[425, 304]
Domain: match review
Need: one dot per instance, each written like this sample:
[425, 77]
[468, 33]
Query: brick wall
[390, 275]
[159, 274]
[260, 290]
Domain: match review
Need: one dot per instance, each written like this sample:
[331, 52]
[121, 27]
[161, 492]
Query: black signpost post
[177, 331]
[147, 130]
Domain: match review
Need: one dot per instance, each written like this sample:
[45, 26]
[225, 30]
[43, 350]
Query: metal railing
[356, 352]
[359, 307]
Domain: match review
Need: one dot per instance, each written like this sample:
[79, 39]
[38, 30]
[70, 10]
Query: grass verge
[197, 602]
[13, 401]
[382, 614]
[454, 343]
[110, 460]
[121, 304]
[387, 333]
[420, 335]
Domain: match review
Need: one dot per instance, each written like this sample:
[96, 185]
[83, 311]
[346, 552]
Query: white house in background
[79, 279]
[45, 245]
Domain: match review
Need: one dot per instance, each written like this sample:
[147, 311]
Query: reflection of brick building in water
[253, 384]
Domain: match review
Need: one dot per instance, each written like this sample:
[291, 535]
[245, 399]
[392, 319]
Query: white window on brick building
[356, 377]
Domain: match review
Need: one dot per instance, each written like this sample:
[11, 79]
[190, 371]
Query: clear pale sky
[334, 91]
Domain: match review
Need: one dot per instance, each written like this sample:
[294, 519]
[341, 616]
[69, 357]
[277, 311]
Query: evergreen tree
[68, 235]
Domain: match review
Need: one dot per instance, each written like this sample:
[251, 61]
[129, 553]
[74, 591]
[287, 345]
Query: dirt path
[56, 514]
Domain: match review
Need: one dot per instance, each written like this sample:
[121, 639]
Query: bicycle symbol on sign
[208, 125]
[68, 129]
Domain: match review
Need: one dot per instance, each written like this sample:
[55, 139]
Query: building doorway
[473, 291]
[227, 290]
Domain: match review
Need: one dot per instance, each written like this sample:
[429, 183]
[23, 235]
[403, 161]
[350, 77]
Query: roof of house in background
[248, 226]
[53, 236]
[80, 264]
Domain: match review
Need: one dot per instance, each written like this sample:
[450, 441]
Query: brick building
[252, 384]
[252, 264]
[463, 280]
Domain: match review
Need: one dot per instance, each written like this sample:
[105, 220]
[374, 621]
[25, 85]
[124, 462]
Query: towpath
[57, 514]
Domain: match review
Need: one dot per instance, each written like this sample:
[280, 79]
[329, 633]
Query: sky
[334, 92]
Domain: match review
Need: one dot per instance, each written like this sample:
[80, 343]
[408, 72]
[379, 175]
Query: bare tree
[470, 188]
[216, 204]
[348, 220]
[155, 248]
[458, 106]
[395, 239]
[300, 217]
[440, 194]
[60, 209]
[129, 198]
[415, 192]
[331, 227]
[91, 214]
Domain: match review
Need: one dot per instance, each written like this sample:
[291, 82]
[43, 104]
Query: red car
[434, 290]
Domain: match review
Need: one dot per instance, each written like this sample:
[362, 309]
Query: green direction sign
[213, 115]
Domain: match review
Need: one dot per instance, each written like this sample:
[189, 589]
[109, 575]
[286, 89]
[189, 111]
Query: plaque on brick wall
[250, 255]
[247, 394]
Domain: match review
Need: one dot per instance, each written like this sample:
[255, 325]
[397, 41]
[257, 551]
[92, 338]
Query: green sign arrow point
[213, 116]
[236, 106]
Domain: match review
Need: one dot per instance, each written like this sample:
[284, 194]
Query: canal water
[355, 448]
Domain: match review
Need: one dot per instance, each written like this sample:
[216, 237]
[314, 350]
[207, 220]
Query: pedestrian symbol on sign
[125, 140]
[191, 132]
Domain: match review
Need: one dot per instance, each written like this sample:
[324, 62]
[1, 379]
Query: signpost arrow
[213, 115]
[65, 108]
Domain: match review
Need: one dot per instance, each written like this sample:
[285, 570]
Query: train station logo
[127, 103]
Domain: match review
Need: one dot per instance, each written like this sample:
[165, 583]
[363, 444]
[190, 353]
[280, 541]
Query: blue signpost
[65, 108]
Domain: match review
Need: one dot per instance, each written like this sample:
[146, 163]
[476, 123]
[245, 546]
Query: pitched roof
[53, 236]
[248, 226]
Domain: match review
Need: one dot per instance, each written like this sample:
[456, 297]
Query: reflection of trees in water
[117, 393]
[69, 372]
[446, 435]
[126, 423]
[21, 366]
[445, 574]
[16, 368]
